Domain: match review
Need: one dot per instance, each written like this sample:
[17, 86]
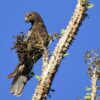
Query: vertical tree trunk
[94, 84]
[48, 74]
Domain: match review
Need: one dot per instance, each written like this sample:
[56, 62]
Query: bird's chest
[35, 38]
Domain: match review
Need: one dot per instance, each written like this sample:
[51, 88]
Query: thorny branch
[65, 41]
[92, 59]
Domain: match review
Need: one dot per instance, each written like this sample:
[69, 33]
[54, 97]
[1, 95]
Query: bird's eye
[30, 14]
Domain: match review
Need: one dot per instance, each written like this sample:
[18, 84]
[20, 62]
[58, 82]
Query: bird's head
[32, 17]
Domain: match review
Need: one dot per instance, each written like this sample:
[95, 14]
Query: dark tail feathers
[18, 84]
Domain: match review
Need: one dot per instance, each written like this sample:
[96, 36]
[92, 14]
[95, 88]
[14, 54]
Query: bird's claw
[30, 75]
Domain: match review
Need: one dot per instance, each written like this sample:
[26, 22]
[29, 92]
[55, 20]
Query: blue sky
[71, 78]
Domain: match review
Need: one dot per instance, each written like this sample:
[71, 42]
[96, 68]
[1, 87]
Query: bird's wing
[21, 79]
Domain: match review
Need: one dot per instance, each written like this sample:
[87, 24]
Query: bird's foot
[30, 75]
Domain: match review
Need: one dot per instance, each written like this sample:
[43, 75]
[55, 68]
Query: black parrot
[29, 49]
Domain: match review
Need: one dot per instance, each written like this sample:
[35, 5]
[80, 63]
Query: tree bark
[94, 84]
[65, 41]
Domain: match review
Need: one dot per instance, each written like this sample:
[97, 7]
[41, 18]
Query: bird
[29, 49]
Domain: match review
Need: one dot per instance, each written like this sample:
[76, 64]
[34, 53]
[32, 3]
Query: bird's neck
[37, 23]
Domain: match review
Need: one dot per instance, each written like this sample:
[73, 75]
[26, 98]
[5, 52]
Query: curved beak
[26, 20]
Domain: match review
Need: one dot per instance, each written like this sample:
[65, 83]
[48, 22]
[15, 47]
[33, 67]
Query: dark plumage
[29, 49]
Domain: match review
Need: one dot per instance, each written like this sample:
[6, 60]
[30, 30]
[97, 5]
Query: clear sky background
[71, 78]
